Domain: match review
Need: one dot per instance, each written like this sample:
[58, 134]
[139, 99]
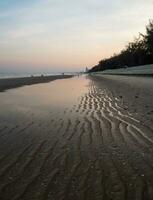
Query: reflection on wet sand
[70, 139]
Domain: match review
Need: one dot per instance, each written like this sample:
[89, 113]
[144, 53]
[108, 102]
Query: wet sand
[76, 139]
[9, 83]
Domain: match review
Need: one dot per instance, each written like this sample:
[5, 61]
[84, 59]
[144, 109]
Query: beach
[8, 83]
[82, 138]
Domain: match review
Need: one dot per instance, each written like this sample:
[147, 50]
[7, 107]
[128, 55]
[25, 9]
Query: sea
[20, 75]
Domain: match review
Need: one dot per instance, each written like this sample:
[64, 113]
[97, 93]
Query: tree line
[138, 52]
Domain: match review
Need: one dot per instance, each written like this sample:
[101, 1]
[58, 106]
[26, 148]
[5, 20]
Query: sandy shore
[135, 93]
[84, 138]
[9, 83]
[143, 70]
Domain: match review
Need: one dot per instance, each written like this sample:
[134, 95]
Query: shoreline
[10, 83]
[57, 139]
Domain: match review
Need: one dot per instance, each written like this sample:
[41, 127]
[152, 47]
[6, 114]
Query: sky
[67, 35]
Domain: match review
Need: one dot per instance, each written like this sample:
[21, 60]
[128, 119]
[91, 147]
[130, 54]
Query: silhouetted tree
[149, 39]
[138, 52]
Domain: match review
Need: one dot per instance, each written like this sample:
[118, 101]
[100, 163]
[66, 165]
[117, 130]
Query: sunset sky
[66, 35]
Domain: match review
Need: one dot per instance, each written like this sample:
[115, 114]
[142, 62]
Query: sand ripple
[94, 150]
